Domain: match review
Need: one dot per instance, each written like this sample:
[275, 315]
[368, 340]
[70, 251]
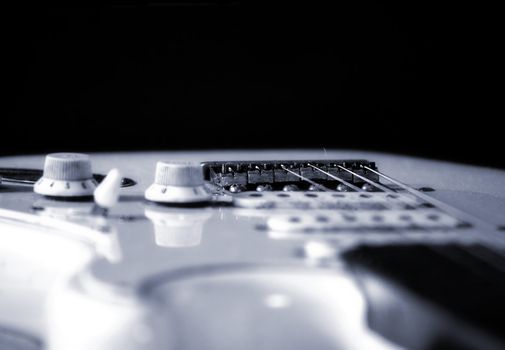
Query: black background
[409, 77]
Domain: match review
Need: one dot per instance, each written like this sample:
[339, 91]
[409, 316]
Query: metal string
[306, 179]
[348, 184]
[440, 205]
[459, 214]
[373, 183]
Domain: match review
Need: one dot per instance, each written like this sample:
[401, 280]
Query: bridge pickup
[363, 220]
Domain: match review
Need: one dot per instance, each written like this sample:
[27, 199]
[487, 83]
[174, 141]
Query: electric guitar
[250, 250]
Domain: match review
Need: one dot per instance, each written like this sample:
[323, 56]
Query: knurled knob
[179, 174]
[66, 175]
[178, 183]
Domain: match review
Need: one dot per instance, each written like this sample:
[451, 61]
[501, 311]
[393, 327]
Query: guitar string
[441, 205]
[436, 203]
[455, 213]
[324, 188]
[348, 184]
[452, 211]
[373, 183]
[449, 210]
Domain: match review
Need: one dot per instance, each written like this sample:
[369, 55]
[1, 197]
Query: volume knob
[178, 183]
[66, 175]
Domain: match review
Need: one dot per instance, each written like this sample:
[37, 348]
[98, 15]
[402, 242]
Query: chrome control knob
[178, 183]
[66, 175]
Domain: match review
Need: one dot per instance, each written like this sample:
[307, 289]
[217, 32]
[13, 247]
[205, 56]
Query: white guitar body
[237, 274]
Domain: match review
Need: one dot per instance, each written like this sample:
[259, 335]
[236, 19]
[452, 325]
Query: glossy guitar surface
[273, 250]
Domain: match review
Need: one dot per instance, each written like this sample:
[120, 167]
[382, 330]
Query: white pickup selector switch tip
[106, 194]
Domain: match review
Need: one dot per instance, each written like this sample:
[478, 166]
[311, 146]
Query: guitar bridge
[287, 175]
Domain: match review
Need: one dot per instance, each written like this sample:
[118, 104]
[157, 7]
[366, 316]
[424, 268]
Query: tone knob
[66, 175]
[178, 183]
